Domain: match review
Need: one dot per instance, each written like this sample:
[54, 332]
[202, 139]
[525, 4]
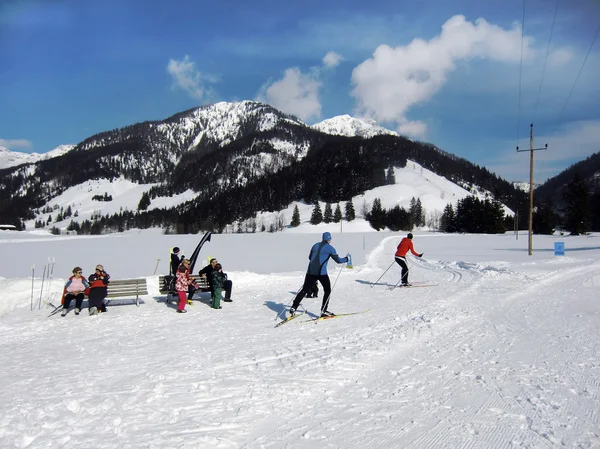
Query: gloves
[421, 255]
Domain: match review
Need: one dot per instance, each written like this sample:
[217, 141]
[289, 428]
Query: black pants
[227, 287]
[309, 281]
[402, 262]
[78, 300]
[96, 298]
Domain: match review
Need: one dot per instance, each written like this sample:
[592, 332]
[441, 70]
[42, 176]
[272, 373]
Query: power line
[545, 60]
[520, 72]
[575, 83]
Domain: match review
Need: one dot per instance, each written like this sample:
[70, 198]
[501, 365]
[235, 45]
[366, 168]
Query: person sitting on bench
[206, 273]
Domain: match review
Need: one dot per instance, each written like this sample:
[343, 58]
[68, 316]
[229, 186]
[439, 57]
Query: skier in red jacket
[405, 245]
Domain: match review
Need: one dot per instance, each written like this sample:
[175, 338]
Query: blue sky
[446, 72]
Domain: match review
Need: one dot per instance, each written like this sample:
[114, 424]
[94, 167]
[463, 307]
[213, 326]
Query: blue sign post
[559, 248]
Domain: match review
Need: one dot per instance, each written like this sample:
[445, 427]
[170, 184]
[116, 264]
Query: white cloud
[332, 59]
[415, 128]
[186, 77]
[16, 144]
[560, 56]
[394, 79]
[296, 93]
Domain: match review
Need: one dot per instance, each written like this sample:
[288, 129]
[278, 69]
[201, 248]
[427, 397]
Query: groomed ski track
[496, 356]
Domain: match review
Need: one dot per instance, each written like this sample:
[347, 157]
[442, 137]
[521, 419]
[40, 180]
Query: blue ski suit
[319, 255]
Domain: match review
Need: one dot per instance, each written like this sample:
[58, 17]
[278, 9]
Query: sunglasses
[79, 272]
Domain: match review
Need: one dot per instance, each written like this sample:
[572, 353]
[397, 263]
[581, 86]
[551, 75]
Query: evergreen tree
[398, 218]
[350, 213]
[295, 217]
[337, 215]
[316, 216]
[419, 213]
[144, 201]
[544, 220]
[447, 222]
[577, 212]
[390, 177]
[377, 218]
[328, 214]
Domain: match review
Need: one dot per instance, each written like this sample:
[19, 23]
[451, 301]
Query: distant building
[4, 227]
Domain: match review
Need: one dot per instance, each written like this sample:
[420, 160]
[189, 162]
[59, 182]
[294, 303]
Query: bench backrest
[202, 284]
[127, 287]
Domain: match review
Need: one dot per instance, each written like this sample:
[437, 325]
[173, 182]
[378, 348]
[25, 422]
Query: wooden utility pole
[531, 150]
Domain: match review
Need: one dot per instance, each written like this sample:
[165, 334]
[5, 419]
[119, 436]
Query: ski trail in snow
[456, 385]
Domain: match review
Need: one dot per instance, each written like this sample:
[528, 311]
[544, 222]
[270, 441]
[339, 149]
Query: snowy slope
[434, 191]
[125, 195]
[501, 352]
[12, 158]
[345, 125]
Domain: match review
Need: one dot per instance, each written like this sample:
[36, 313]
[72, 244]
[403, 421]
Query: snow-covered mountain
[225, 162]
[412, 181]
[524, 185]
[345, 125]
[13, 158]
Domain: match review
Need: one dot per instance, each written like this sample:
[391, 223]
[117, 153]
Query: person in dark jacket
[404, 247]
[218, 280]
[98, 290]
[175, 261]
[227, 285]
[317, 271]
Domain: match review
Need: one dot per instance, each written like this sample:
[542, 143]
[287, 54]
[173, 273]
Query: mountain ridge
[239, 158]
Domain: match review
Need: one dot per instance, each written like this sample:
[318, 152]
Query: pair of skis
[317, 319]
[413, 285]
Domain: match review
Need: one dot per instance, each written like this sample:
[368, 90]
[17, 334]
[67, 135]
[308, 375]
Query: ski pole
[49, 279]
[42, 289]
[407, 271]
[32, 277]
[324, 308]
[288, 304]
[377, 281]
[156, 267]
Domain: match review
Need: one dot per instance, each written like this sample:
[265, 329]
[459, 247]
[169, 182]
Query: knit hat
[410, 236]
[176, 249]
[326, 236]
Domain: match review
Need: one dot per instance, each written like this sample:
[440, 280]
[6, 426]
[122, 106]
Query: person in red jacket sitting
[98, 290]
[405, 245]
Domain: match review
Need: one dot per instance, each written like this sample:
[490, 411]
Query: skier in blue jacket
[317, 271]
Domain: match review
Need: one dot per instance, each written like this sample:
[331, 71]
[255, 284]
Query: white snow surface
[12, 158]
[346, 125]
[501, 352]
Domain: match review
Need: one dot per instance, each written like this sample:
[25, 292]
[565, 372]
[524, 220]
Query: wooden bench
[127, 288]
[171, 293]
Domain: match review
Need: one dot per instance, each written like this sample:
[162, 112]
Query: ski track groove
[524, 408]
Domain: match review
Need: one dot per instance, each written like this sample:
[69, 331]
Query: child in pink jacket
[184, 280]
